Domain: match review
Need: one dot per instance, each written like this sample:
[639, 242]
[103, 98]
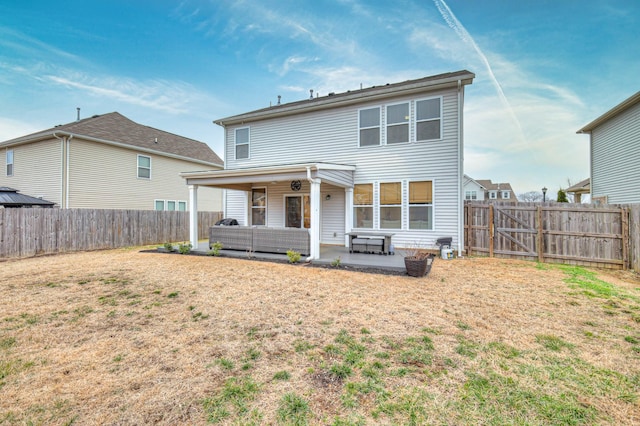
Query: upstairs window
[182, 206]
[398, 123]
[158, 205]
[9, 162]
[428, 119]
[242, 143]
[506, 195]
[363, 205]
[144, 167]
[421, 205]
[470, 195]
[493, 195]
[171, 206]
[391, 205]
[369, 125]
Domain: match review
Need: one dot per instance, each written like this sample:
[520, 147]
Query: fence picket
[30, 232]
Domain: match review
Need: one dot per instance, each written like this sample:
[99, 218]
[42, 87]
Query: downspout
[315, 219]
[461, 241]
[64, 178]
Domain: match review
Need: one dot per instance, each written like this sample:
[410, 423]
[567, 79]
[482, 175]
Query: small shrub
[293, 256]
[184, 248]
[215, 249]
[336, 262]
[169, 247]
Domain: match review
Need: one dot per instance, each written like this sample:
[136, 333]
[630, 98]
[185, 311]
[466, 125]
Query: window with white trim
[259, 206]
[397, 123]
[144, 167]
[506, 195]
[182, 206]
[429, 119]
[470, 195]
[421, 205]
[369, 126]
[158, 205]
[493, 195]
[171, 206]
[242, 143]
[363, 205]
[9, 157]
[391, 205]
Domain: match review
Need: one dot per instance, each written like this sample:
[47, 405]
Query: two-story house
[108, 162]
[502, 191]
[472, 189]
[380, 159]
[614, 146]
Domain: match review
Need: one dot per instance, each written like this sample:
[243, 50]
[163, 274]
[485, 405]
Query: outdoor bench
[261, 239]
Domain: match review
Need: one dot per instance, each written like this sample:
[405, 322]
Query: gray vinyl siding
[36, 170]
[615, 150]
[105, 177]
[332, 136]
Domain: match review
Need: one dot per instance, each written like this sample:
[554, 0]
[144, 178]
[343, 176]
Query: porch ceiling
[242, 179]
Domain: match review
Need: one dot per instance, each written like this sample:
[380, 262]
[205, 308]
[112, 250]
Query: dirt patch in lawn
[131, 337]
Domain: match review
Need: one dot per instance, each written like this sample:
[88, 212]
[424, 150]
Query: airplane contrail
[464, 35]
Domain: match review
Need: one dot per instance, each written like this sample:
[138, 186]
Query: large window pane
[242, 151]
[420, 217]
[363, 217]
[369, 117]
[397, 114]
[159, 205]
[258, 216]
[242, 143]
[428, 109]
[363, 194]
[370, 137]
[428, 130]
[398, 134]
[391, 217]
[391, 193]
[420, 192]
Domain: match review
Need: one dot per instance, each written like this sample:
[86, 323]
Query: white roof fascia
[624, 105]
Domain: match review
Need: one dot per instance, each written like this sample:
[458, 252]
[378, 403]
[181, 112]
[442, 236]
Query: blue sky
[543, 68]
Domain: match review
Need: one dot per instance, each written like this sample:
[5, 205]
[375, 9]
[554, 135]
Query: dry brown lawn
[130, 337]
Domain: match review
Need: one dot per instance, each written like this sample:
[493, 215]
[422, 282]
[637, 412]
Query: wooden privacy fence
[601, 236]
[29, 232]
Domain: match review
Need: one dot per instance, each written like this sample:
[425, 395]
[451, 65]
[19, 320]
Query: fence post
[624, 220]
[540, 235]
[491, 230]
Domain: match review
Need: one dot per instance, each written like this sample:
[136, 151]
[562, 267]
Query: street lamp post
[544, 194]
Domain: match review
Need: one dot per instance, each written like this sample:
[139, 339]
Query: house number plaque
[296, 185]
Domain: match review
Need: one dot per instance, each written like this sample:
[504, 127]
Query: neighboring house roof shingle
[114, 128]
[353, 96]
[495, 186]
[10, 197]
[621, 107]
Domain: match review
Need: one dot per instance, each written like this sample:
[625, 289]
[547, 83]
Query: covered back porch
[313, 196]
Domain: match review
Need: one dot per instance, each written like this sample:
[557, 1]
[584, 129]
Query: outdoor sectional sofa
[261, 239]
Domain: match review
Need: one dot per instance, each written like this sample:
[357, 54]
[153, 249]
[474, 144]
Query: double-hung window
[259, 206]
[391, 205]
[397, 123]
[363, 205]
[144, 167]
[242, 143]
[369, 125]
[421, 205]
[429, 119]
[506, 195]
[493, 195]
[470, 195]
[9, 157]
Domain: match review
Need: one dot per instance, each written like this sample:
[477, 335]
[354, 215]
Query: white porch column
[314, 231]
[193, 215]
[348, 214]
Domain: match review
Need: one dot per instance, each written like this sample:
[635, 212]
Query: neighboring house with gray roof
[614, 146]
[108, 162]
[498, 191]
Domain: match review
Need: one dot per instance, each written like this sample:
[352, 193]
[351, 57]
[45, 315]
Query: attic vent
[310, 93]
[279, 97]
[95, 116]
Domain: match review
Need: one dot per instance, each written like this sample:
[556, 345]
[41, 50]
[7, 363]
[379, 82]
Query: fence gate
[515, 231]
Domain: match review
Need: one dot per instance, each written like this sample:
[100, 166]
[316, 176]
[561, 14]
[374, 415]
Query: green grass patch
[553, 343]
[233, 399]
[293, 410]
